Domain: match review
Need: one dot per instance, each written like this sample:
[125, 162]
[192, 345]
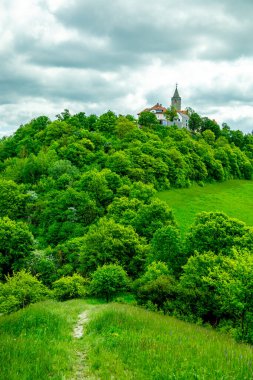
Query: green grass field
[234, 197]
[121, 342]
[37, 343]
[127, 343]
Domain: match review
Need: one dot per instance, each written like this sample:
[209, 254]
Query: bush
[20, 290]
[158, 291]
[70, 287]
[108, 281]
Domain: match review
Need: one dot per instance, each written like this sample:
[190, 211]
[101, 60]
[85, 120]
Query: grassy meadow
[131, 343]
[234, 197]
[120, 342]
[37, 343]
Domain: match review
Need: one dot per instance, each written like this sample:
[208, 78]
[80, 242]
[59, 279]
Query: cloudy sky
[123, 55]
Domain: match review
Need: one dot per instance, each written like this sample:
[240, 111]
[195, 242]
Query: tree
[119, 162]
[124, 126]
[12, 200]
[166, 246]
[209, 136]
[108, 281]
[151, 217]
[106, 123]
[157, 285]
[64, 116]
[17, 244]
[153, 271]
[170, 114]
[195, 122]
[147, 119]
[70, 287]
[111, 242]
[232, 280]
[95, 183]
[20, 290]
[159, 291]
[216, 232]
[212, 125]
[197, 297]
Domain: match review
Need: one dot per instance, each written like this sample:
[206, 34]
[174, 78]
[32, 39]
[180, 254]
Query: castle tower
[176, 100]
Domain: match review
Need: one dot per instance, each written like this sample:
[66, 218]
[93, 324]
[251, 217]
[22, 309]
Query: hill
[234, 197]
[120, 341]
[78, 211]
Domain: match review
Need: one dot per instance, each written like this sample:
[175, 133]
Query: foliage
[215, 231]
[147, 119]
[111, 242]
[16, 245]
[151, 217]
[170, 113]
[159, 291]
[70, 287]
[12, 200]
[108, 281]
[20, 290]
[85, 187]
[166, 246]
[153, 272]
[43, 265]
[232, 281]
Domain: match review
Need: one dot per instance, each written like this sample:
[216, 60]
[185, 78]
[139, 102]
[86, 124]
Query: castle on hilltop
[181, 119]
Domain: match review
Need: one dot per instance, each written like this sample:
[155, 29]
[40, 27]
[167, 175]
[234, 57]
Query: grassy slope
[234, 197]
[130, 343]
[37, 343]
[124, 342]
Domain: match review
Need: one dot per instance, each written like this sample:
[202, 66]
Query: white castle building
[182, 118]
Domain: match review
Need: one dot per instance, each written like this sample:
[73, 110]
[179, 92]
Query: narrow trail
[81, 370]
[78, 329]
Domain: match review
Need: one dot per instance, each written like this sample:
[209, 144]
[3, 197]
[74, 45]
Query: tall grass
[131, 343]
[234, 197]
[36, 342]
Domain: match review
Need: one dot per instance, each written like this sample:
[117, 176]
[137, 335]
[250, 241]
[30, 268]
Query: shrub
[108, 281]
[70, 287]
[157, 291]
[20, 290]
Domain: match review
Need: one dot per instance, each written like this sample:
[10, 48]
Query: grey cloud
[122, 37]
[243, 124]
[16, 84]
[141, 28]
[220, 96]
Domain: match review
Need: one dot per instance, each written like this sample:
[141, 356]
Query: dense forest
[78, 215]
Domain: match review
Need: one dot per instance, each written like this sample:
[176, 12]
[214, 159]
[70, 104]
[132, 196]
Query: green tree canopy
[110, 242]
[216, 232]
[17, 244]
[108, 281]
[147, 119]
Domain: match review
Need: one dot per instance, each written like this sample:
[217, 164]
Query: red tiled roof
[156, 107]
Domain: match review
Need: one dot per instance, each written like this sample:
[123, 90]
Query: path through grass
[37, 343]
[234, 197]
[120, 342]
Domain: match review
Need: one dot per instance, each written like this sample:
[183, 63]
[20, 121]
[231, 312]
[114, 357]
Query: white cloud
[94, 56]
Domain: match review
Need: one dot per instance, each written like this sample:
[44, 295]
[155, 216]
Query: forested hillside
[78, 193]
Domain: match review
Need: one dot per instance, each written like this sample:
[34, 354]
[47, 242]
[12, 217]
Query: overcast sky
[124, 55]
